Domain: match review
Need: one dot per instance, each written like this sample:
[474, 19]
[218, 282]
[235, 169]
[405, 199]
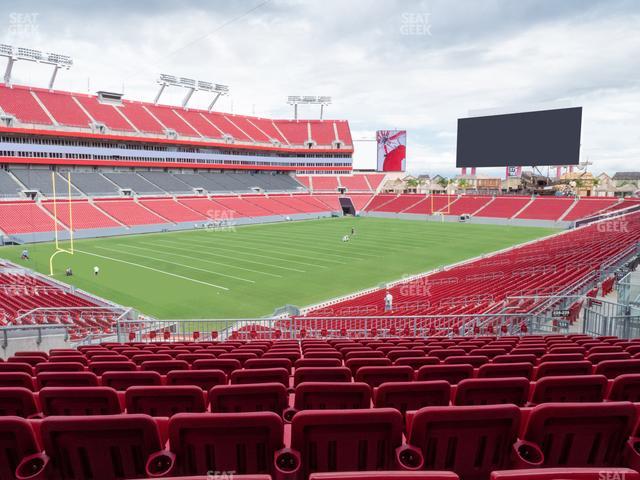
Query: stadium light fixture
[14, 54]
[191, 85]
[296, 100]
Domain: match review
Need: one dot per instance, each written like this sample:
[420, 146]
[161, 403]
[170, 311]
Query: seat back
[581, 388]
[321, 374]
[625, 388]
[124, 380]
[471, 441]
[66, 379]
[581, 434]
[558, 369]
[18, 402]
[451, 373]
[374, 376]
[492, 391]
[502, 370]
[17, 441]
[16, 379]
[243, 443]
[332, 396]
[260, 375]
[205, 379]
[612, 368]
[164, 401]
[227, 365]
[346, 440]
[163, 366]
[357, 362]
[261, 397]
[101, 367]
[405, 396]
[100, 447]
[79, 401]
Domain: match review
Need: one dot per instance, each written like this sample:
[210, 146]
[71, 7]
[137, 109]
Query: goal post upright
[58, 248]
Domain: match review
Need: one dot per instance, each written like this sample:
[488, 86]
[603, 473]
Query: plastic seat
[149, 357]
[567, 474]
[79, 401]
[405, 396]
[473, 360]
[374, 376]
[227, 365]
[492, 391]
[515, 358]
[101, 367]
[471, 441]
[417, 362]
[16, 367]
[260, 363]
[354, 364]
[317, 362]
[205, 379]
[330, 396]
[347, 440]
[243, 443]
[100, 447]
[17, 444]
[262, 397]
[596, 358]
[16, 379]
[33, 359]
[561, 369]
[59, 367]
[451, 373]
[580, 388]
[320, 374]
[66, 379]
[18, 402]
[70, 358]
[163, 366]
[581, 434]
[164, 401]
[612, 368]
[625, 388]
[262, 375]
[124, 380]
[502, 370]
[236, 355]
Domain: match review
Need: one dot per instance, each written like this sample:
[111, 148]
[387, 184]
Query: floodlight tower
[14, 54]
[191, 85]
[296, 100]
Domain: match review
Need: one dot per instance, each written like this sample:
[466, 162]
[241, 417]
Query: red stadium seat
[347, 440]
[19, 448]
[320, 374]
[244, 443]
[79, 401]
[101, 367]
[451, 373]
[18, 402]
[260, 363]
[317, 362]
[559, 369]
[205, 379]
[625, 388]
[580, 388]
[227, 365]
[124, 380]
[16, 367]
[66, 379]
[492, 391]
[100, 447]
[581, 434]
[261, 397]
[471, 441]
[612, 368]
[16, 379]
[501, 370]
[473, 360]
[59, 367]
[374, 376]
[163, 366]
[165, 401]
[406, 396]
[417, 362]
[355, 363]
[262, 375]
[330, 396]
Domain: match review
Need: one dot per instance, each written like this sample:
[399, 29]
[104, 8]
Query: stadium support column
[473, 170]
[558, 172]
[463, 171]
[506, 173]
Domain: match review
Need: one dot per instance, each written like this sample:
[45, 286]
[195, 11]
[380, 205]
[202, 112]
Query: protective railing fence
[601, 317]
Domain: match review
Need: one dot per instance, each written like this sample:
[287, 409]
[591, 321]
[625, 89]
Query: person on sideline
[96, 271]
[388, 302]
[25, 254]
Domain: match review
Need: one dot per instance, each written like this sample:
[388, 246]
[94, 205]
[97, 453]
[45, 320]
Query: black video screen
[546, 137]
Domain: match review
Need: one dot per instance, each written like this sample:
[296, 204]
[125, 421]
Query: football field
[249, 271]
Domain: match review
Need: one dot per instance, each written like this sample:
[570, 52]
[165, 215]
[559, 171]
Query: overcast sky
[414, 65]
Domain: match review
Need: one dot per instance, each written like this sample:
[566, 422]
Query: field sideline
[252, 270]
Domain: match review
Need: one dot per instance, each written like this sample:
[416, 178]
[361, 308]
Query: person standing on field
[96, 271]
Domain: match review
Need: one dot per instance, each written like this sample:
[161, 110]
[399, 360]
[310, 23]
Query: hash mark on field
[198, 259]
[153, 269]
[175, 263]
[182, 244]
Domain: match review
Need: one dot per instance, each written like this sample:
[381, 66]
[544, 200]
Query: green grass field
[253, 270]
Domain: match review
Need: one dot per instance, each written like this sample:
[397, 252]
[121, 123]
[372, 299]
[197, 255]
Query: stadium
[193, 290]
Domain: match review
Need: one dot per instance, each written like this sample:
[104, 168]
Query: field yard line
[199, 259]
[175, 263]
[153, 269]
[315, 247]
[259, 255]
[240, 259]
